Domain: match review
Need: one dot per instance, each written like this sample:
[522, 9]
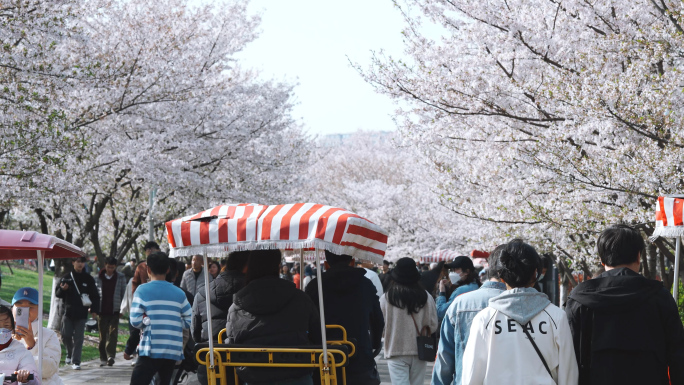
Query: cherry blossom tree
[165, 107]
[548, 119]
[369, 174]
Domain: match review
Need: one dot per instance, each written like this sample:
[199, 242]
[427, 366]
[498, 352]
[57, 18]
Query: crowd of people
[488, 327]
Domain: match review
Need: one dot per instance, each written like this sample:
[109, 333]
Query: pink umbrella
[33, 245]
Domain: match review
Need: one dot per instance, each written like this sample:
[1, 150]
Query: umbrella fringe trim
[220, 250]
[667, 232]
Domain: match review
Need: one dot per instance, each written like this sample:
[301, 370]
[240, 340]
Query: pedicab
[670, 223]
[33, 245]
[300, 226]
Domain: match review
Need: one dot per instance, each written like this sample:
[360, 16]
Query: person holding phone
[14, 358]
[79, 292]
[27, 322]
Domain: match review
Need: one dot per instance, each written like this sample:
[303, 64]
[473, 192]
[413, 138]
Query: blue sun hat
[27, 293]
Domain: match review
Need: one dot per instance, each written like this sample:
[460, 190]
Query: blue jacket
[443, 305]
[455, 330]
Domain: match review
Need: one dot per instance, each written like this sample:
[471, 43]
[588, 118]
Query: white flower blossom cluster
[544, 119]
[106, 100]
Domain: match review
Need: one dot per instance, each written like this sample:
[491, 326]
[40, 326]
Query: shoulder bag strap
[536, 348]
[416, 325]
[75, 284]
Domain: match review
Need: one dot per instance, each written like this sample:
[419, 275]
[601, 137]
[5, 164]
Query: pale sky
[307, 42]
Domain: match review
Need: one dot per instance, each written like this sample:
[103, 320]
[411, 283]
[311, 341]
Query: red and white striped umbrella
[439, 255]
[669, 221]
[292, 226]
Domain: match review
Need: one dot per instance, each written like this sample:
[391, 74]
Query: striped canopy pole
[670, 224]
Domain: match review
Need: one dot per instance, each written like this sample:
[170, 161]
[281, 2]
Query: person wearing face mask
[468, 281]
[27, 298]
[14, 358]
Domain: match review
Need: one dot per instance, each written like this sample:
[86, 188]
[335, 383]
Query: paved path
[120, 373]
[384, 372]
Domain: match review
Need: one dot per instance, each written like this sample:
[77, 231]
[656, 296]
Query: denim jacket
[455, 329]
[443, 304]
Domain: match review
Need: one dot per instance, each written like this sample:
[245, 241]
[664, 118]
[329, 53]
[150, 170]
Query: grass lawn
[25, 278]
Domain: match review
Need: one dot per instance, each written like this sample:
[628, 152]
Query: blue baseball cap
[28, 293]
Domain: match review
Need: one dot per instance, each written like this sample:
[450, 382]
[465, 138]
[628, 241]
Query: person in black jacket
[351, 301]
[70, 289]
[626, 328]
[270, 311]
[221, 289]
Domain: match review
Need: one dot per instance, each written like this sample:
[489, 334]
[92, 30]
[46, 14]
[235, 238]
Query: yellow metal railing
[328, 373]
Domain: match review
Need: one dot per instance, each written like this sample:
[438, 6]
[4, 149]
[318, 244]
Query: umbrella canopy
[24, 244]
[292, 226]
[669, 219]
[29, 245]
[439, 256]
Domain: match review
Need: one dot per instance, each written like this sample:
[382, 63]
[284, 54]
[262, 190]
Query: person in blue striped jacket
[161, 311]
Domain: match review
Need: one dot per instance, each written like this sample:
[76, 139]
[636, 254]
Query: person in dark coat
[70, 289]
[351, 301]
[384, 275]
[430, 278]
[227, 283]
[270, 311]
[625, 328]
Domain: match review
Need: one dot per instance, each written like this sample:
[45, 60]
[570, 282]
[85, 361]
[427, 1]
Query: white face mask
[5, 336]
[453, 277]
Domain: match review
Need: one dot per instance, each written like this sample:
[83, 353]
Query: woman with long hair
[408, 309]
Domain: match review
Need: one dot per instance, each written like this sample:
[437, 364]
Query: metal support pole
[40, 315]
[301, 269]
[208, 303]
[320, 306]
[150, 224]
[675, 285]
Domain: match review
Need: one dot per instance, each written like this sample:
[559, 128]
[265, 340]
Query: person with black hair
[626, 328]
[221, 291]
[469, 281]
[193, 278]
[71, 289]
[407, 309]
[351, 300]
[456, 325]
[161, 311]
[271, 311]
[139, 278]
[521, 337]
[15, 359]
[384, 275]
[111, 286]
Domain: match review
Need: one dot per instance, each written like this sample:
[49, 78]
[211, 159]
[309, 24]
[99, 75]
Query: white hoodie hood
[499, 352]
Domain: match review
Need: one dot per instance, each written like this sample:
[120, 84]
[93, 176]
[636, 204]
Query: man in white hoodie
[520, 338]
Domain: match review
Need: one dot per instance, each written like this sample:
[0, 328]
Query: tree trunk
[56, 307]
[564, 291]
[651, 256]
[645, 271]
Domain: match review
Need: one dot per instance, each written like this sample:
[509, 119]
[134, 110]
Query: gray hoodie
[520, 304]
